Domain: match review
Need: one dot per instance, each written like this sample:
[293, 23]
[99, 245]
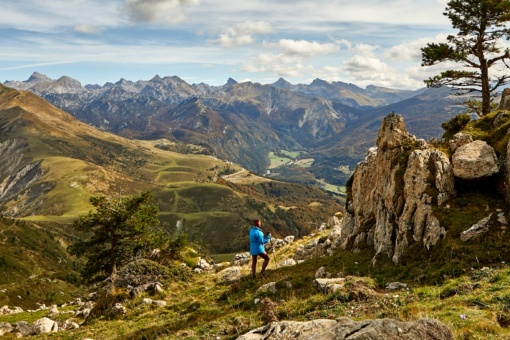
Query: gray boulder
[267, 288]
[23, 328]
[345, 328]
[5, 328]
[323, 285]
[478, 229]
[474, 161]
[229, 275]
[45, 325]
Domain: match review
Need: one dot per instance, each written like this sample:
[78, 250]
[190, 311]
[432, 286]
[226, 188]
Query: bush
[456, 124]
[143, 271]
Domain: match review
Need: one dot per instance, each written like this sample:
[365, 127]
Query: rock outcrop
[345, 328]
[393, 193]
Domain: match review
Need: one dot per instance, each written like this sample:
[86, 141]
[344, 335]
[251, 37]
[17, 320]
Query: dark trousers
[254, 263]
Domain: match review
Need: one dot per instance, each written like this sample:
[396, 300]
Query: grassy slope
[476, 305]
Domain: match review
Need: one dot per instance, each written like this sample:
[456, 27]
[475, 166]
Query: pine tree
[122, 229]
[481, 26]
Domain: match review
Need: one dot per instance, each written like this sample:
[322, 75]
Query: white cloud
[242, 33]
[303, 48]
[279, 64]
[289, 58]
[84, 28]
[158, 11]
[411, 51]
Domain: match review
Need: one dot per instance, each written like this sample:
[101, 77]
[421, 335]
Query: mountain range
[51, 164]
[331, 123]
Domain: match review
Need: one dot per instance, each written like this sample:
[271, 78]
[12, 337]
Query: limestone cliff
[393, 193]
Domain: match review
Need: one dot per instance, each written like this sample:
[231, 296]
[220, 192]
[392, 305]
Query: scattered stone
[395, 286]
[45, 325]
[478, 229]
[288, 263]
[289, 239]
[70, 325]
[204, 265]
[323, 284]
[53, 310]
[198, 271]
[83, 313]
[23, 328]
[230, 275]
[241, 259]
[147, 301]
[5, 328]
[159, 303]
[118, 309]
[267, 288]
[158, 288]
[321, 273]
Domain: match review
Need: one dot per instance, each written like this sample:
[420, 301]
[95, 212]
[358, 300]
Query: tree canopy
[122, 229]
[481, 26]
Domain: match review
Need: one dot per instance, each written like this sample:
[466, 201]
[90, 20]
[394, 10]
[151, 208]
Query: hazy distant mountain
[242, 122]
[349, 94]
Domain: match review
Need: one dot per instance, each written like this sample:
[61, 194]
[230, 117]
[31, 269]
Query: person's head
[256, 223]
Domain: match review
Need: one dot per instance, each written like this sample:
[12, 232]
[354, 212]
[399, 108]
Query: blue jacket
[257, 241]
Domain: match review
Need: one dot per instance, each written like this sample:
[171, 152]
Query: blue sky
[96, 41]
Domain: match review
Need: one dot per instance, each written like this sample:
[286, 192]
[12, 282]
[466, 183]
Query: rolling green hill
[52, 163]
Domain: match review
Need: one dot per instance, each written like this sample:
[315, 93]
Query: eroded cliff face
[394, 191]
[20, 188]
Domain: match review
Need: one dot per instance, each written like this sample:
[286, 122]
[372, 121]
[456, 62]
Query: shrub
[456, 124]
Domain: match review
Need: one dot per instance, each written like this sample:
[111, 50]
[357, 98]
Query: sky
[369, 42]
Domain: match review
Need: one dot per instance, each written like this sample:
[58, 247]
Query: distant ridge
[244, 122]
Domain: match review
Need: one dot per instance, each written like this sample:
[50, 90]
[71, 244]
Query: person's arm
[267, 238]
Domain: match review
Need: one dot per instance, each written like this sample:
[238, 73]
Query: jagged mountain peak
[68, 82]
[282, 83]
[38, 77]
[319, 82]
[231, 82]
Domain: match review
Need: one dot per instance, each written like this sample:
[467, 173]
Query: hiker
[257, 241]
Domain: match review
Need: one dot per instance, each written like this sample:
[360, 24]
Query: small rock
[159, 303]
[395, 285]
[231, 274]
[147, 300]
[119, 309]
[288, 263]
[70, 325]
[267, 288]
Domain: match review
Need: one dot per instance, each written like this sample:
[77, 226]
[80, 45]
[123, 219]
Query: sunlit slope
[51, 163]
